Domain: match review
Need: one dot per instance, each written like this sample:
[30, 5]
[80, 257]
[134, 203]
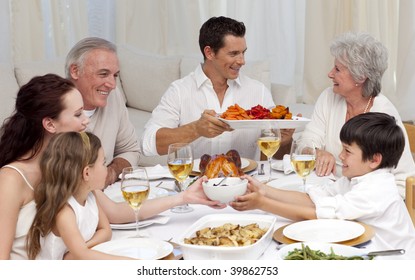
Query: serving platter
[296, 122]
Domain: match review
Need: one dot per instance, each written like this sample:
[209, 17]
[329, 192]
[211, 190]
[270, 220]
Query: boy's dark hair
[375, 133]
[214, 30]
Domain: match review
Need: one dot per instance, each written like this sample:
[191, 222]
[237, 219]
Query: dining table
[169, 226]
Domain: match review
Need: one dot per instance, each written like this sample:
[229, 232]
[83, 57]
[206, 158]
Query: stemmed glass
[180, 163]
[269, 142]
[303, 158]
[135, 188]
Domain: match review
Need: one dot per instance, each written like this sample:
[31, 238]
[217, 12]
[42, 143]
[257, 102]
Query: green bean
[305, 253]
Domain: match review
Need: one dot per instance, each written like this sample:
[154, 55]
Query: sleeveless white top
[53, 247]
[24, 221]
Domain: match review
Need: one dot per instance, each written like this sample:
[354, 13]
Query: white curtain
[293, 35]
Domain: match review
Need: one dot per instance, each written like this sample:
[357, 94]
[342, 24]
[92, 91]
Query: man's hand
[209, 125]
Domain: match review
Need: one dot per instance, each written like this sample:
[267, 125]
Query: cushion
[9, 89]
[24, 71]
[145, 77]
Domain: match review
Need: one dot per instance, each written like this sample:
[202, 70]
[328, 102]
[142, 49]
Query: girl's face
[72, 118]
[98, 172]
[353, 165]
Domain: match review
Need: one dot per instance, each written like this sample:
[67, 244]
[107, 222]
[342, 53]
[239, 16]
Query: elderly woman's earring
[357, 84]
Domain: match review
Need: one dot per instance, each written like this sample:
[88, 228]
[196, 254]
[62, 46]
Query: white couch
[143, 80]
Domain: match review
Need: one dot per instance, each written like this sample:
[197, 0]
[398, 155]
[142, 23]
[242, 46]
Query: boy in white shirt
[372, 145]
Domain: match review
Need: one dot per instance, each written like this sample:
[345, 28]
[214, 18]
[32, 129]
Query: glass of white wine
[180, 163]
[135, 188]
[269, 142]
[303, 158]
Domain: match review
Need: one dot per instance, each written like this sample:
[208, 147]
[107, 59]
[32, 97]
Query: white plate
[343, 250]
[148, 222]
[139, 248]
[293, 182]
[115, 194]
[196, 163]
[156, 172]
[296, 122]
[323, 230]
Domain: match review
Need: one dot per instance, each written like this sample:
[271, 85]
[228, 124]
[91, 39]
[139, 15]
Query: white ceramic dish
[139, 248]
[226, 191]
[296, 122]
[196, 163]
[251, 252]
[278, 165]
[324, 230]
[156, 172]
[343, 250]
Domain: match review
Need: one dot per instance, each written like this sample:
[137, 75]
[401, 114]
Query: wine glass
[303, 158]
[180, 163]
[135, 188]
[269, 142]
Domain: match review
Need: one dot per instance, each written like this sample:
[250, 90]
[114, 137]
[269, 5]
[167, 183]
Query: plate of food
[138, 248]
[320, 251]
[324, 230]
[244, 164]
[295, 122]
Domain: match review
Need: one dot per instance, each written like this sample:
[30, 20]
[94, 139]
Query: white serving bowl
[225, 192]
[343, 250]
[250, 252]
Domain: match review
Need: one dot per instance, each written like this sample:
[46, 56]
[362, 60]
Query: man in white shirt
[188, 110]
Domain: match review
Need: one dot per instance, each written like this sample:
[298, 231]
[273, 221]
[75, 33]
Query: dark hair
[214, 30]
[23, 131]
[375, 133]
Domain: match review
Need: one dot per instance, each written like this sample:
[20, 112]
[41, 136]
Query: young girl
[68, 218]
[44, 106]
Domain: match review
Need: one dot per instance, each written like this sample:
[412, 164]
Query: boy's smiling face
[353, 164]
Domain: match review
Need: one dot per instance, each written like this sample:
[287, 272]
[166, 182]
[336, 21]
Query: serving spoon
[221, 181]
[384, 253]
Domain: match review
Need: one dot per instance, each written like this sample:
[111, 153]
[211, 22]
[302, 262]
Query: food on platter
[305, 253]
[221, 165]
[258, 112]
[228, 235]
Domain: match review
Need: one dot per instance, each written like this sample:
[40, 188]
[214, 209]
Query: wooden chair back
[410, 130]
[410, 197]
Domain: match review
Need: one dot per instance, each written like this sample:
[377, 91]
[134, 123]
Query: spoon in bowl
[221, 181]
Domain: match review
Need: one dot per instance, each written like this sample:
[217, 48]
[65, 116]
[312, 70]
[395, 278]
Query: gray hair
[78, 52]
[365, 57]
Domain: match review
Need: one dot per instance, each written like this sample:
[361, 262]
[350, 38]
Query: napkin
[158, 171]
[288, 168]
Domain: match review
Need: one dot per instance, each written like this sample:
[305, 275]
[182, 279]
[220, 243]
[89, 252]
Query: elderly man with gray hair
[92, 65]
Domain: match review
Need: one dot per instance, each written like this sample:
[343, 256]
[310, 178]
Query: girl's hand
[194, 194]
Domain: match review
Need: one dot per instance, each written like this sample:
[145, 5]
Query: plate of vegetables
[321, 251]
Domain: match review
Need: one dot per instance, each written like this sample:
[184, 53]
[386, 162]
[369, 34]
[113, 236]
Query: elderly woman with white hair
[359, 64]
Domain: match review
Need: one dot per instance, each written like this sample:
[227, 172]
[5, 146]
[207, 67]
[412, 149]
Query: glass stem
[136, 222]
[270, 169]
[304, 178]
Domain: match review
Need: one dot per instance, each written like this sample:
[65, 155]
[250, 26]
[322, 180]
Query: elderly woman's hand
[325, 163]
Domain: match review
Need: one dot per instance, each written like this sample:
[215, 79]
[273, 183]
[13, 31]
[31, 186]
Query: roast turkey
[221, 165]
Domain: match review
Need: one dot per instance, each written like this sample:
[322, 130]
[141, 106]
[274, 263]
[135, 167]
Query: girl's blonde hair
[62, 165]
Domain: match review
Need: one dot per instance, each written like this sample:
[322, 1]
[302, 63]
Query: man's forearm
[167, 136]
